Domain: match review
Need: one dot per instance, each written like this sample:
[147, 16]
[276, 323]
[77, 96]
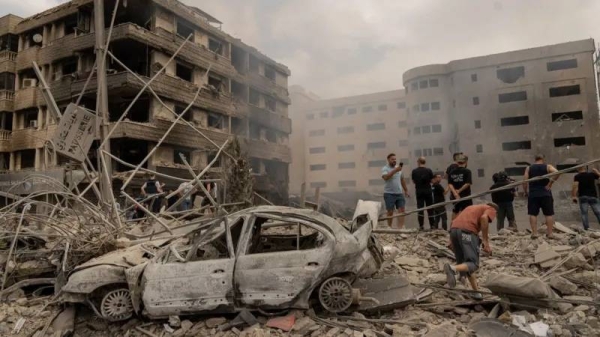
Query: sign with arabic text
[75, 133]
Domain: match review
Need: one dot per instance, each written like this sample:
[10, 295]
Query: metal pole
[102, 102]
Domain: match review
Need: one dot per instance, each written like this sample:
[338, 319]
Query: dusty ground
[444, 313]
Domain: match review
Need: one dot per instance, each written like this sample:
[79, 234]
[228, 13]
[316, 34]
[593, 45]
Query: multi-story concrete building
[502, 109]
[346, 141]
[245, 94]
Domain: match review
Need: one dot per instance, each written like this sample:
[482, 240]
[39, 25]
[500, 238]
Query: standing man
[150, 188]
[584, 187]
[394, 189]
[464, 239]
[459, 185]
[185, 190]
[504, 199]
[421, 177]
[439, 196]
[539, 194]
[452, 166]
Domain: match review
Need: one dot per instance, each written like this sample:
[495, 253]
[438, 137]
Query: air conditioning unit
[33, 124]
[29, 82]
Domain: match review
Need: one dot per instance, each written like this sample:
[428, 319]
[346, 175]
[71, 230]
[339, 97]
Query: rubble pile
[539, 287]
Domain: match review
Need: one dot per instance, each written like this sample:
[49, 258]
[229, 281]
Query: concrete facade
[245, 94]
[502, 109]
[346, 142]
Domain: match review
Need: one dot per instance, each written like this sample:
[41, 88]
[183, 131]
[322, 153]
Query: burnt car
[265, 258]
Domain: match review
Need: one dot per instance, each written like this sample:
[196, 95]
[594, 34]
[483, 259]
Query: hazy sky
[346, 47]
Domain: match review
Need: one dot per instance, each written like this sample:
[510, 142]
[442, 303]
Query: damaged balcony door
[202, 281]
[280, 260]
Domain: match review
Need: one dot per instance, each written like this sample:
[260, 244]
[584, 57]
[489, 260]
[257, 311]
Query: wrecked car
[266, 258]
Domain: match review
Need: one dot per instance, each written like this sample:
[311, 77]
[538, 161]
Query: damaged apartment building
[245, 93]
[503, 109]
[340, 145]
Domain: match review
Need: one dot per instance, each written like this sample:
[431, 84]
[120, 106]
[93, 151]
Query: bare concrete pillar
[40, 119]
[3, 121]
[50, 72]
[18, 81]
[229, 124]
[52, 33]
[21, 46]
[18, 161]
[45, 36]
[38, 156]
[80, 62]
[11, 162]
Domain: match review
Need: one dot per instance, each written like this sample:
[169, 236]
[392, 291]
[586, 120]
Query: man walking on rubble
[459, 185]
[421, 177]
[394, 190]
[152, 187]
[584, 192]
[504, 199]
[539, 194]
[464, 240]
[439, 196]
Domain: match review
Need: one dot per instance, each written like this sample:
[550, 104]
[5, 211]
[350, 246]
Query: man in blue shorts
[394, 190]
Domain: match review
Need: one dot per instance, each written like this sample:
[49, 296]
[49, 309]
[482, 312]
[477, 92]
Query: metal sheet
[76, 128]
[392, 292]
[21, 183]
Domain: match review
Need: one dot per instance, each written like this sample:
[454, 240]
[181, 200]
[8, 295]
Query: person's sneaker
[450, 276]
[534, 235]
[476, 296]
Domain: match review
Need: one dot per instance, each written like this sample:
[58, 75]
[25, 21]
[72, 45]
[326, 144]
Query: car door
[277, 277]
[202, 281]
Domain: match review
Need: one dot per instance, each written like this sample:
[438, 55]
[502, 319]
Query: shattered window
[213, 246]
[215, 46]
[177, 156]
[567, 90]
[273, 236]
[185, 29]
[515, 171]
[560, 65]
[567, 116]
[512, 121]
[514, 146]
[510, 75]
[569, 141]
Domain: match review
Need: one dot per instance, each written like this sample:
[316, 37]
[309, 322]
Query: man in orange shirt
[464, 239]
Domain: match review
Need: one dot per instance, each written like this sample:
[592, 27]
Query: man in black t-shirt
[504, 199]
[422, 177]
[459, 184]
[584, 189]
[452, 166]
[439, 196]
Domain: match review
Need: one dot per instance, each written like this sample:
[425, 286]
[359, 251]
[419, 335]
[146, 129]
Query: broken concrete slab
[577, 260]
[489, 327]
[391, 292]
[411, 262]
[562, 285]
[564, 229]
[444, 330]
[519, 286]
[545, 256]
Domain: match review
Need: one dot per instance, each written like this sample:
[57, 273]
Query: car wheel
[335, 294]
[116, 305]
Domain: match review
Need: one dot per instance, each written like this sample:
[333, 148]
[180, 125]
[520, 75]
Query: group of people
[153, 196]
[468, 220]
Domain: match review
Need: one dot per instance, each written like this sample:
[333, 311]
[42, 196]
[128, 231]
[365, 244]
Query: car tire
[335, 295]
[114, 304]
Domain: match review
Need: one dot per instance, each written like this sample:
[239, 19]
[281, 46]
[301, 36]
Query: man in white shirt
[394, 190]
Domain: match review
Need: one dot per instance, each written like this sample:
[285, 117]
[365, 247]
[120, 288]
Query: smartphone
[401, 164]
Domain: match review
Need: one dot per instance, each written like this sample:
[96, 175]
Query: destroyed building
[502, 109]
[245, 93]
[343, 143]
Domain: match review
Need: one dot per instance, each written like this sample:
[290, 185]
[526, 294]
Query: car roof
[328, 222]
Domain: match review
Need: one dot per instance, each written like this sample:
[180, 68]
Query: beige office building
[504, 108]
[345, 142]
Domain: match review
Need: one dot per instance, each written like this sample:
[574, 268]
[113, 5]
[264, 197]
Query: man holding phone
[394, 190]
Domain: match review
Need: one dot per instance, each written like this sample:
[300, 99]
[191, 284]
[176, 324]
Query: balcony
[266, 150]
[7, 99]
[26, 98]
[270, 119]
[7, 61]
[5, 140]
[268, 86]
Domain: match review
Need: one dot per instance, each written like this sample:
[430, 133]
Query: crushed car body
[261, 258]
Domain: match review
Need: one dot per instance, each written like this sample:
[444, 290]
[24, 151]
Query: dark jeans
[422, 201]
[584, 205]
[505, 210]
[439, 214]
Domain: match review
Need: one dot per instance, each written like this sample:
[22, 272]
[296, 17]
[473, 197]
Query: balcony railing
[5, 135]
[7, 55]
[7, 95]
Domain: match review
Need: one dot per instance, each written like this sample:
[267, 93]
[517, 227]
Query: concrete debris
[562, 285]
